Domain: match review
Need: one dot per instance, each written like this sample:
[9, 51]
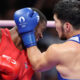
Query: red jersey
[8, 48]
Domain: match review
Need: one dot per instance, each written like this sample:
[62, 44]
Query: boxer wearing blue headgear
[65, 56]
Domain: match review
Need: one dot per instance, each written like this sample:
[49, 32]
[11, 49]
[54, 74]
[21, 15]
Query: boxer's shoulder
[71, 45]
[67, 45]
[65, 48]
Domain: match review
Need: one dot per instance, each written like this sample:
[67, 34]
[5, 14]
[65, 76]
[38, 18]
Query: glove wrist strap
[29, 39]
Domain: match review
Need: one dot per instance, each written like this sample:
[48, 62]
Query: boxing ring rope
[11, 23]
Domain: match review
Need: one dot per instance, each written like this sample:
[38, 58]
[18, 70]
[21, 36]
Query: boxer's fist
[9, 68]
[26, 20]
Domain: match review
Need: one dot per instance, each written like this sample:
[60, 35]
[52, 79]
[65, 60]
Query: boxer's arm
[43, 61]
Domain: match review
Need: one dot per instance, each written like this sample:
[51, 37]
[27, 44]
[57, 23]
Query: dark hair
[68, 10]
[42, 16]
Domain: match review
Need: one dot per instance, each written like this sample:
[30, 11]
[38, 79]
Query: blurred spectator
[25, 3]
[7, 7]
[47, 8]
[39, 4]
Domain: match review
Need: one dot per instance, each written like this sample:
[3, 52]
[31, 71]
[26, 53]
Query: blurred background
[7, 9]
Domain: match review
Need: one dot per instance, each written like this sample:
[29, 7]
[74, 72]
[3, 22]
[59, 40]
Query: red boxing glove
[9, 68]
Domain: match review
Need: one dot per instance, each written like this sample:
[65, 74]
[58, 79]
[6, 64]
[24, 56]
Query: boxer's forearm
[39, 61]
[34, 56]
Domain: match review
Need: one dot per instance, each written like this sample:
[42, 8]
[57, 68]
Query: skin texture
[65, 56]
[18, 42]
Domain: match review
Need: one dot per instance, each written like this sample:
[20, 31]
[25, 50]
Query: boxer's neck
[16, 38]
[75, 32]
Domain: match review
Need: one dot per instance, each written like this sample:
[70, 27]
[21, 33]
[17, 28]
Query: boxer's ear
[67, 27]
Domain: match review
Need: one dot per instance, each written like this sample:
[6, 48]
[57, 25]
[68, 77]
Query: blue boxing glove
[26, 20]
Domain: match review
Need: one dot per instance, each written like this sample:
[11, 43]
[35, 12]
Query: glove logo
[21, 19]
[22, 22]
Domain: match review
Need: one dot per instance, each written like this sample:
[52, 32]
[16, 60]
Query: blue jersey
[60, 78]
[75, 38]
